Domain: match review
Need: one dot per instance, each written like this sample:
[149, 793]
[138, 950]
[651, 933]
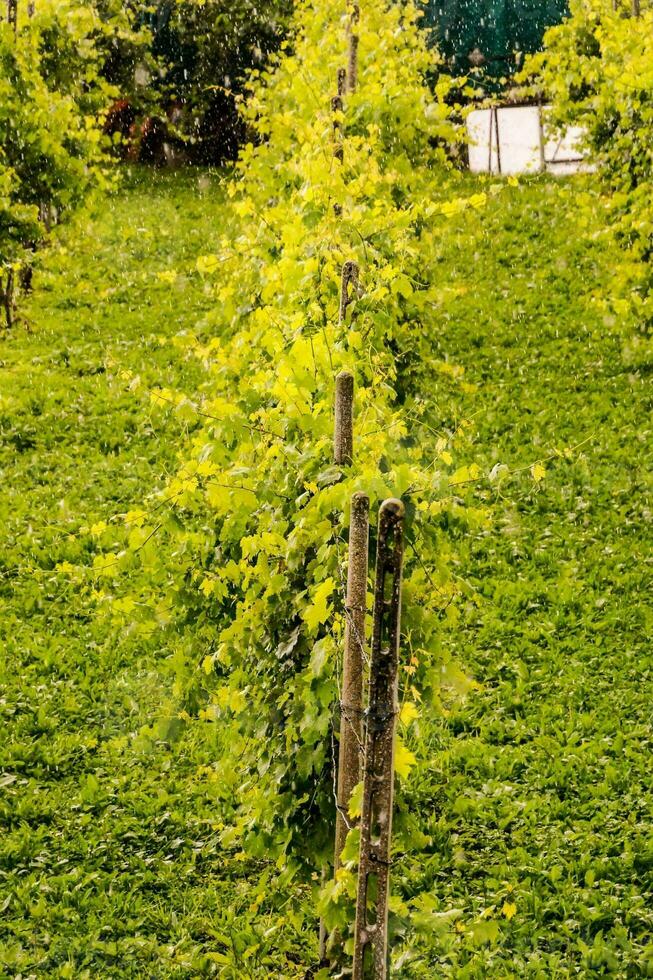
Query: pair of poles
[367, 733]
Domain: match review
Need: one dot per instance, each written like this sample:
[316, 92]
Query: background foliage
[205, 50]
[52, 94]
[597, 69]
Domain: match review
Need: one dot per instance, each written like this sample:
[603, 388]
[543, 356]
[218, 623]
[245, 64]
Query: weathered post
[338, 144]
[352, 53]
[12, 13]
[348, 288]
[343, 429]
[371, 929]
[351, 696]
[343, 451]
[7, 288]
[636, 8]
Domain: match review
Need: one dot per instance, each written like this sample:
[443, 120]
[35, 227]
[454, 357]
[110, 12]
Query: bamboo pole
[371, 929]
[351, 702]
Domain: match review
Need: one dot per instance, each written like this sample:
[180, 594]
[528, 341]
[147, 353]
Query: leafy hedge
[52, 93]
[244, 549]
[598, 71]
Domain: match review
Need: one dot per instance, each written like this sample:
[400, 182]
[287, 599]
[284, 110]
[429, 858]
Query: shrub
[597, 69]
[205, 50]
[244, 549]
[52, 94]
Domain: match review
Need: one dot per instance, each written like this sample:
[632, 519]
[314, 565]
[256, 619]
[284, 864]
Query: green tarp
[497, 28]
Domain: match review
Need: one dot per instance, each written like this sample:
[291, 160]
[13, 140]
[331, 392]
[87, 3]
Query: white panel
[519, 139]
[520, 143]
[558, 149]
[564, 167]
[481, 158]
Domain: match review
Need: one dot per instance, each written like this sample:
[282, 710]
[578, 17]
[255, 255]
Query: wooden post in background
[348, 288]
[352, 53]
[371, 929]
[343, 429]
[350, 754]
[338, 145]
[636, 8]
[12, 13]
[337, 107]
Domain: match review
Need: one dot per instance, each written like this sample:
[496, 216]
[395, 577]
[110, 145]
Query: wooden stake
[7, 297]
[343, 451]
[338, 136]
[338, 144]
[636, 8]
[348, 288]
[352, 54]
[12, 13]
[343, 429]
[371, 930]
[351, 703]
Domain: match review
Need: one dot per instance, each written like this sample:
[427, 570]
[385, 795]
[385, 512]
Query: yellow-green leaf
[319, 609]
[404, 759]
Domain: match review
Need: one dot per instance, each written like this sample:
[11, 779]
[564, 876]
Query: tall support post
[636, 8]
[343, 428]
[352, 52]
[343, 453]
[371, 929]
[348, 288]
[351, 698]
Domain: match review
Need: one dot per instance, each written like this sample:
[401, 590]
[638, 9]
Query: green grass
[109, 857]
[535, 791]
[538, 791]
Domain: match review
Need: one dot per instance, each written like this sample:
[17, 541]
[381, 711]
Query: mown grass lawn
[535, 794]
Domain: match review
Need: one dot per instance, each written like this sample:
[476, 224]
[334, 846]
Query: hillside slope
[535, 799]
